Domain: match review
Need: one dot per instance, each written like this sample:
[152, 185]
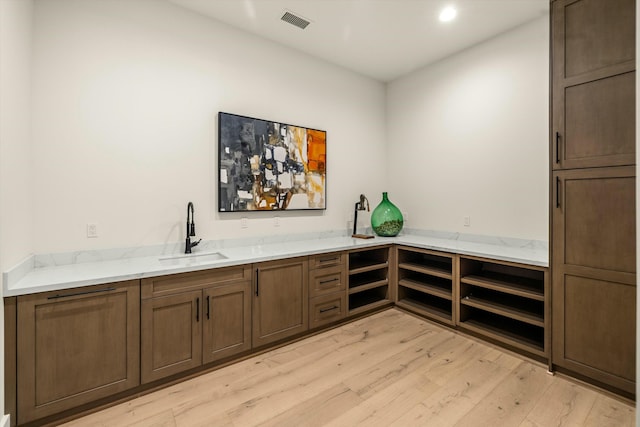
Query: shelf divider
[504, 310]
[425, 288]
[520, 286]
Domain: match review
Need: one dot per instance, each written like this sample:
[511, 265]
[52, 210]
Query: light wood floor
[390, 369]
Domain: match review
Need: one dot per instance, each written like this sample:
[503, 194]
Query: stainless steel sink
[193, 259]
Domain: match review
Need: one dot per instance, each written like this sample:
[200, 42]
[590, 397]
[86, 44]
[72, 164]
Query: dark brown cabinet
[592, 203]
[192, 319]
[171, 335]
[593, 69]
[594, 274]
[227, 321]
[76, 346]
[280, 300]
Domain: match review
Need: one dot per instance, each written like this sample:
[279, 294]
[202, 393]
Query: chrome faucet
[191, 230]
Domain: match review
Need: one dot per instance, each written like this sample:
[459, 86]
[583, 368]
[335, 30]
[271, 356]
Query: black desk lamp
[360, 206]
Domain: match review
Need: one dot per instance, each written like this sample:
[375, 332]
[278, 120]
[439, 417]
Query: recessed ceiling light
[448, 14]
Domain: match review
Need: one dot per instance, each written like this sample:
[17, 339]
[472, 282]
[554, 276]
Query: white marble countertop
[40, 273]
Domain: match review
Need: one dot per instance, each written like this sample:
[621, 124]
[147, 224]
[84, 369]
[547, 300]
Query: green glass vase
[386, 218]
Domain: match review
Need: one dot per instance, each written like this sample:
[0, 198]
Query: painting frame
[265, 165]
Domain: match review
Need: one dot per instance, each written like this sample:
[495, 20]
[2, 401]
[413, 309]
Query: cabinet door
[227, 321]
[171, 335]
[76, 346]
[594, 274]
[593, 54]
[280, 300]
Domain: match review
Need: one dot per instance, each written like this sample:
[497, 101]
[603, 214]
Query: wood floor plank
[375, 377]
[563, 404]
[462, 353]
[203, 418]
[461, 394]
[510, 402]
[389, 403]
[320, 410]
[609, 412]
[390, 369]
[162, 419]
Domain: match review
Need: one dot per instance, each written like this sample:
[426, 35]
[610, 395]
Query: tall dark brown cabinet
[592, 212]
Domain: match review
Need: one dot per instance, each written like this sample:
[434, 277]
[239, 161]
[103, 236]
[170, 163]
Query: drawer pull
[81, 293]
[324, 310]
[326, 260]
[324, 282]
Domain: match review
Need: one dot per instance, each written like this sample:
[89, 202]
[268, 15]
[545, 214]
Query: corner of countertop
[17, 272]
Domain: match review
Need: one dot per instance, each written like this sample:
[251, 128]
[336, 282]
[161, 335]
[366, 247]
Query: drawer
[327, 280]
[170, 284]
[327, 308]
[327, 260]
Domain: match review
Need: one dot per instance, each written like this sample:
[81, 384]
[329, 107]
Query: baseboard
[5, 421]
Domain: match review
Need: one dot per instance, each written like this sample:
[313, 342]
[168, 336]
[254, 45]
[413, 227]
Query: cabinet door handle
[557, 191]
[75, 294]
[257, 282]
[197, 309]
[324, 310]
[557, 147]
[208, 308]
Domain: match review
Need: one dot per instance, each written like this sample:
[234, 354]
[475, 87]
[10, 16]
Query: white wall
[468, 136]
[126, 96]
[16, 219]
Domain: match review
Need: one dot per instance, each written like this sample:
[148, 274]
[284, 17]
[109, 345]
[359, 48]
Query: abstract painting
[269, 166]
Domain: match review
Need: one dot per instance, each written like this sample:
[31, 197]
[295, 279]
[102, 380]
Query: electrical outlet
[467, 221]
[244, 222]
[276, 221]
[92, 230]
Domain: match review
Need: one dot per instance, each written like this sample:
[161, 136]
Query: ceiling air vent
[295, 20]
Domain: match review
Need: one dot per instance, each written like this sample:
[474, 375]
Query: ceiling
[382, 39]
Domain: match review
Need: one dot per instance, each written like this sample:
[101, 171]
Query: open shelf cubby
[523, 309]
[415, 300]
[368, 299]
[368, 259]
[425, 283]
[503, 329]
[506, 302]
[521, 281]
[368, 279]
